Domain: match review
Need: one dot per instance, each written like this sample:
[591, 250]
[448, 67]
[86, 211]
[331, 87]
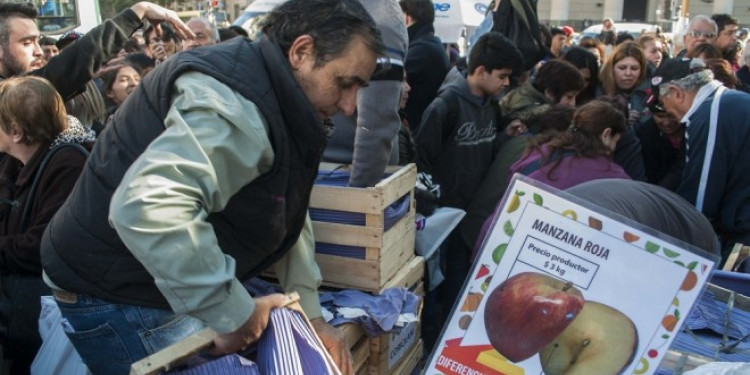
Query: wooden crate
[385, 251]
[388, 352]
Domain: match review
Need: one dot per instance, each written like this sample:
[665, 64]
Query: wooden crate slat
[399, 183]
[408, 276]
[364, 200]
[394, 257]
[359, 355]
[350, 235]
[407, 367]
[397, 231]
[404, 367]
[353, 332]
[342, 272]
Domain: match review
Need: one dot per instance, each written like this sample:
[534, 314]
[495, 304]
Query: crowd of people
[150, 166]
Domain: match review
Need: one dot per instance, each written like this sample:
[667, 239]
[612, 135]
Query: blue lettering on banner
[442, 7]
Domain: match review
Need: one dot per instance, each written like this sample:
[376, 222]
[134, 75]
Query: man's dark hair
[167, 32]
[420, 10]
[239, 30]
[708, 51]
[556, 31]
[494, 51]
[582, 58]
[47, 41]
[11, 10]
[226, 34]
[722, 20]
[333, 24]
[558, 77]
[622, 37]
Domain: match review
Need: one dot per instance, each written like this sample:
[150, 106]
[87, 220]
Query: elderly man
[206, 33]
[702, 29]
[717, 137]
[202, 180]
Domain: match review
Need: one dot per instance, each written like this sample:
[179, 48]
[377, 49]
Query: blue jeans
[110, 337]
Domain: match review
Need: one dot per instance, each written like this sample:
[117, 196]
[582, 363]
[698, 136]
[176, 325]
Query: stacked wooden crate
[389, 259]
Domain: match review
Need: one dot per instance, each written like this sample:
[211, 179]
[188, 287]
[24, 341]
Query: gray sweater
[369, 139]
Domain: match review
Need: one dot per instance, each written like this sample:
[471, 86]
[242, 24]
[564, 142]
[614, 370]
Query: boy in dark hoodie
[457, 141]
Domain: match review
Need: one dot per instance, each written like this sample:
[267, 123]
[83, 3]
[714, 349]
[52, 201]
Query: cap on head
[669, 71]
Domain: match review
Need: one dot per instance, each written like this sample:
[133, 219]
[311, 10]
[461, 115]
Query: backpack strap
[25, 216]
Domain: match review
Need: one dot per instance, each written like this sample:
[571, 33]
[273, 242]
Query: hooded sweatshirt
[457, 142]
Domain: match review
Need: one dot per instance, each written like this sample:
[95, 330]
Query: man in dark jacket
[426, 60]
[69, 71]
[202, 180]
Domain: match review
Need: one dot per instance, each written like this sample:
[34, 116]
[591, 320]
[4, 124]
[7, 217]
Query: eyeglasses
[698, 34]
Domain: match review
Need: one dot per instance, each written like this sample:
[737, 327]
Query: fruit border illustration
[527, 194]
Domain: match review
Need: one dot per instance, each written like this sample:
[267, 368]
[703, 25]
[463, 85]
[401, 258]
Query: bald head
[205, 32]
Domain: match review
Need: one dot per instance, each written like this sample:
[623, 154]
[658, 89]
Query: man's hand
[335, 343]
[253, 328]
[156, 15]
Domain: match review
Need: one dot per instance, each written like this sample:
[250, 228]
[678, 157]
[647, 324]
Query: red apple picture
[528, 311]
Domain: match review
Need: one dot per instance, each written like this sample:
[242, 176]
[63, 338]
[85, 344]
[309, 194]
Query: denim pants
[110, 337]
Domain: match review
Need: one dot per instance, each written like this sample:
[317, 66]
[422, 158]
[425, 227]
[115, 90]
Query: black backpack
[517, 20]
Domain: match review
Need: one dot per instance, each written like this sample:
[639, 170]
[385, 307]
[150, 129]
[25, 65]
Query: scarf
[75, 133]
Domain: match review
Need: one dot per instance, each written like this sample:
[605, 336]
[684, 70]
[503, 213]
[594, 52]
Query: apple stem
[567, 286]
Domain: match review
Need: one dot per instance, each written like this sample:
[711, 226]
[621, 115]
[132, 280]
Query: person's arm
[298, 272]
[75, 65]
[430, 135]
[215, 142]
[19, 252]
[378, 123]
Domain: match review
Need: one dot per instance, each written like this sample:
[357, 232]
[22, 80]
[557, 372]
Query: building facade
[575, 12]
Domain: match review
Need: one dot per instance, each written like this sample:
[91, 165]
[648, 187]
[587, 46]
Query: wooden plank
[371, 200]
[679, 362]
[739, 252]
[342, 272]
[399, 183]
[393, 258]
[408, 366]
[721, 294]
[360, 353]
[350, 235]
[409, 275]
[353, 333]
[405, 367]
[364, 200]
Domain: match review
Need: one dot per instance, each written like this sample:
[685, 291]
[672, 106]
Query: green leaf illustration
[652, 247]
[538, 199]
[677, 313]
[665, 336]
[497, 254]
[520, 193]
[670, 253]
[508, 228]
[680, 263]
[692, 265]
